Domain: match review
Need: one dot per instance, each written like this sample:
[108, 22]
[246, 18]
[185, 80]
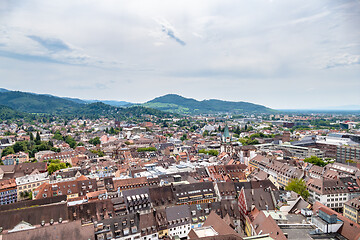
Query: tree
[248, 141]
[8, 150]
[20, 147]
[237, 130]
[184, 137]
[205, 133]
[38, 138]
[213, 152]
[95, 141]
[298, 186]
[147, 149]
[58, 136]
[112, 130]
[71, 141]
[98, 152]
[56, 165]
[316, 161]
[31, 137]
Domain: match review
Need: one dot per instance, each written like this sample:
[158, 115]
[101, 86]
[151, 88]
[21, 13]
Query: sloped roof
[218, 224]
[267, 225]
[63, 231]
[349, 229]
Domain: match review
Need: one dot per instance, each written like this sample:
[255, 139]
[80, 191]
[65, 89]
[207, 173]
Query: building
[295, 151]
[8, 191]
[194, 193]
[56, 230]
[148, 227]
[333, 193]
[259, 198]
[347, 153]
[122, 227]
[327, 221]
[280, 173]
[262, 222]
[349, 229]
[179, 223]
[28, 183]
[15, 158]
[137, 200]
[352, 210]
[65, 156]
[72, 189]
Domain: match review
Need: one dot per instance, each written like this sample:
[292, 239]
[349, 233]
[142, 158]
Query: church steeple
[226, 138]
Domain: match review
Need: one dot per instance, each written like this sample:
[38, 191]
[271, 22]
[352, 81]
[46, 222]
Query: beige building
[28, 183]
[352, 210]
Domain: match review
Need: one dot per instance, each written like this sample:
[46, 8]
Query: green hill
[37, 103]
[7, 113]
[178, 104]
[20, 104]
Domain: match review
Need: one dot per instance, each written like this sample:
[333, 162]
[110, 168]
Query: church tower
[226, 138]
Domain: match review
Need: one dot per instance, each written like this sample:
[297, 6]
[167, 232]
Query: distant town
[152, 176]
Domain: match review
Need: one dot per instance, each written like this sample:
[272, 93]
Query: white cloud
[232, 50]
[343, 60]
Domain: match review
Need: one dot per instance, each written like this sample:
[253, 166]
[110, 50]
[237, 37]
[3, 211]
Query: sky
[278, 53]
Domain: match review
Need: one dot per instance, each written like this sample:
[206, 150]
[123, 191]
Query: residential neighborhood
[244, 177]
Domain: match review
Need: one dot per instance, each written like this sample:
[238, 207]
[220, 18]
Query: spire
[226, 131]
[226, 135]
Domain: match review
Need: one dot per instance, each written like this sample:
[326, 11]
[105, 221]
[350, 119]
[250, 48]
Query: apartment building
[28, 183]
[8, 191]
[332, 193]
[347, 153]
[352, 209]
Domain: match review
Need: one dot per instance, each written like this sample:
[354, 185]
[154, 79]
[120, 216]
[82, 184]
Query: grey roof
[177, 212]
[259, 197]
[61, 231]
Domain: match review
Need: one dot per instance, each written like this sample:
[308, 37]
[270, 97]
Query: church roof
[226, 131]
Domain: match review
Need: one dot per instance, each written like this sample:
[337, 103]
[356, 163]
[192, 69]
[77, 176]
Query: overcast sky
[279, 53]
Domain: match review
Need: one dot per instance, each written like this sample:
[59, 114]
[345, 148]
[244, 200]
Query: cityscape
[206, 120]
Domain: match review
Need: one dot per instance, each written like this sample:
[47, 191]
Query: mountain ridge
[178, 104]
[171, 103]
[16, 103]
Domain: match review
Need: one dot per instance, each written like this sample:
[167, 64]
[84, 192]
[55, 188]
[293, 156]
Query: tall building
[352, 210]
[345, 154]
[8, 191]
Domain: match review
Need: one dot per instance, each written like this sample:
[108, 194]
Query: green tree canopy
[248, 141]
[95, 141]
[56, 165]
[205, 133]
[184, 137]
[58, 136]
[147, 149]
[298, 186]
[210, 152]
[20, 146]
[31, 137]
[71, 141]
[37, 138]
[8, 150]
[316, 161]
